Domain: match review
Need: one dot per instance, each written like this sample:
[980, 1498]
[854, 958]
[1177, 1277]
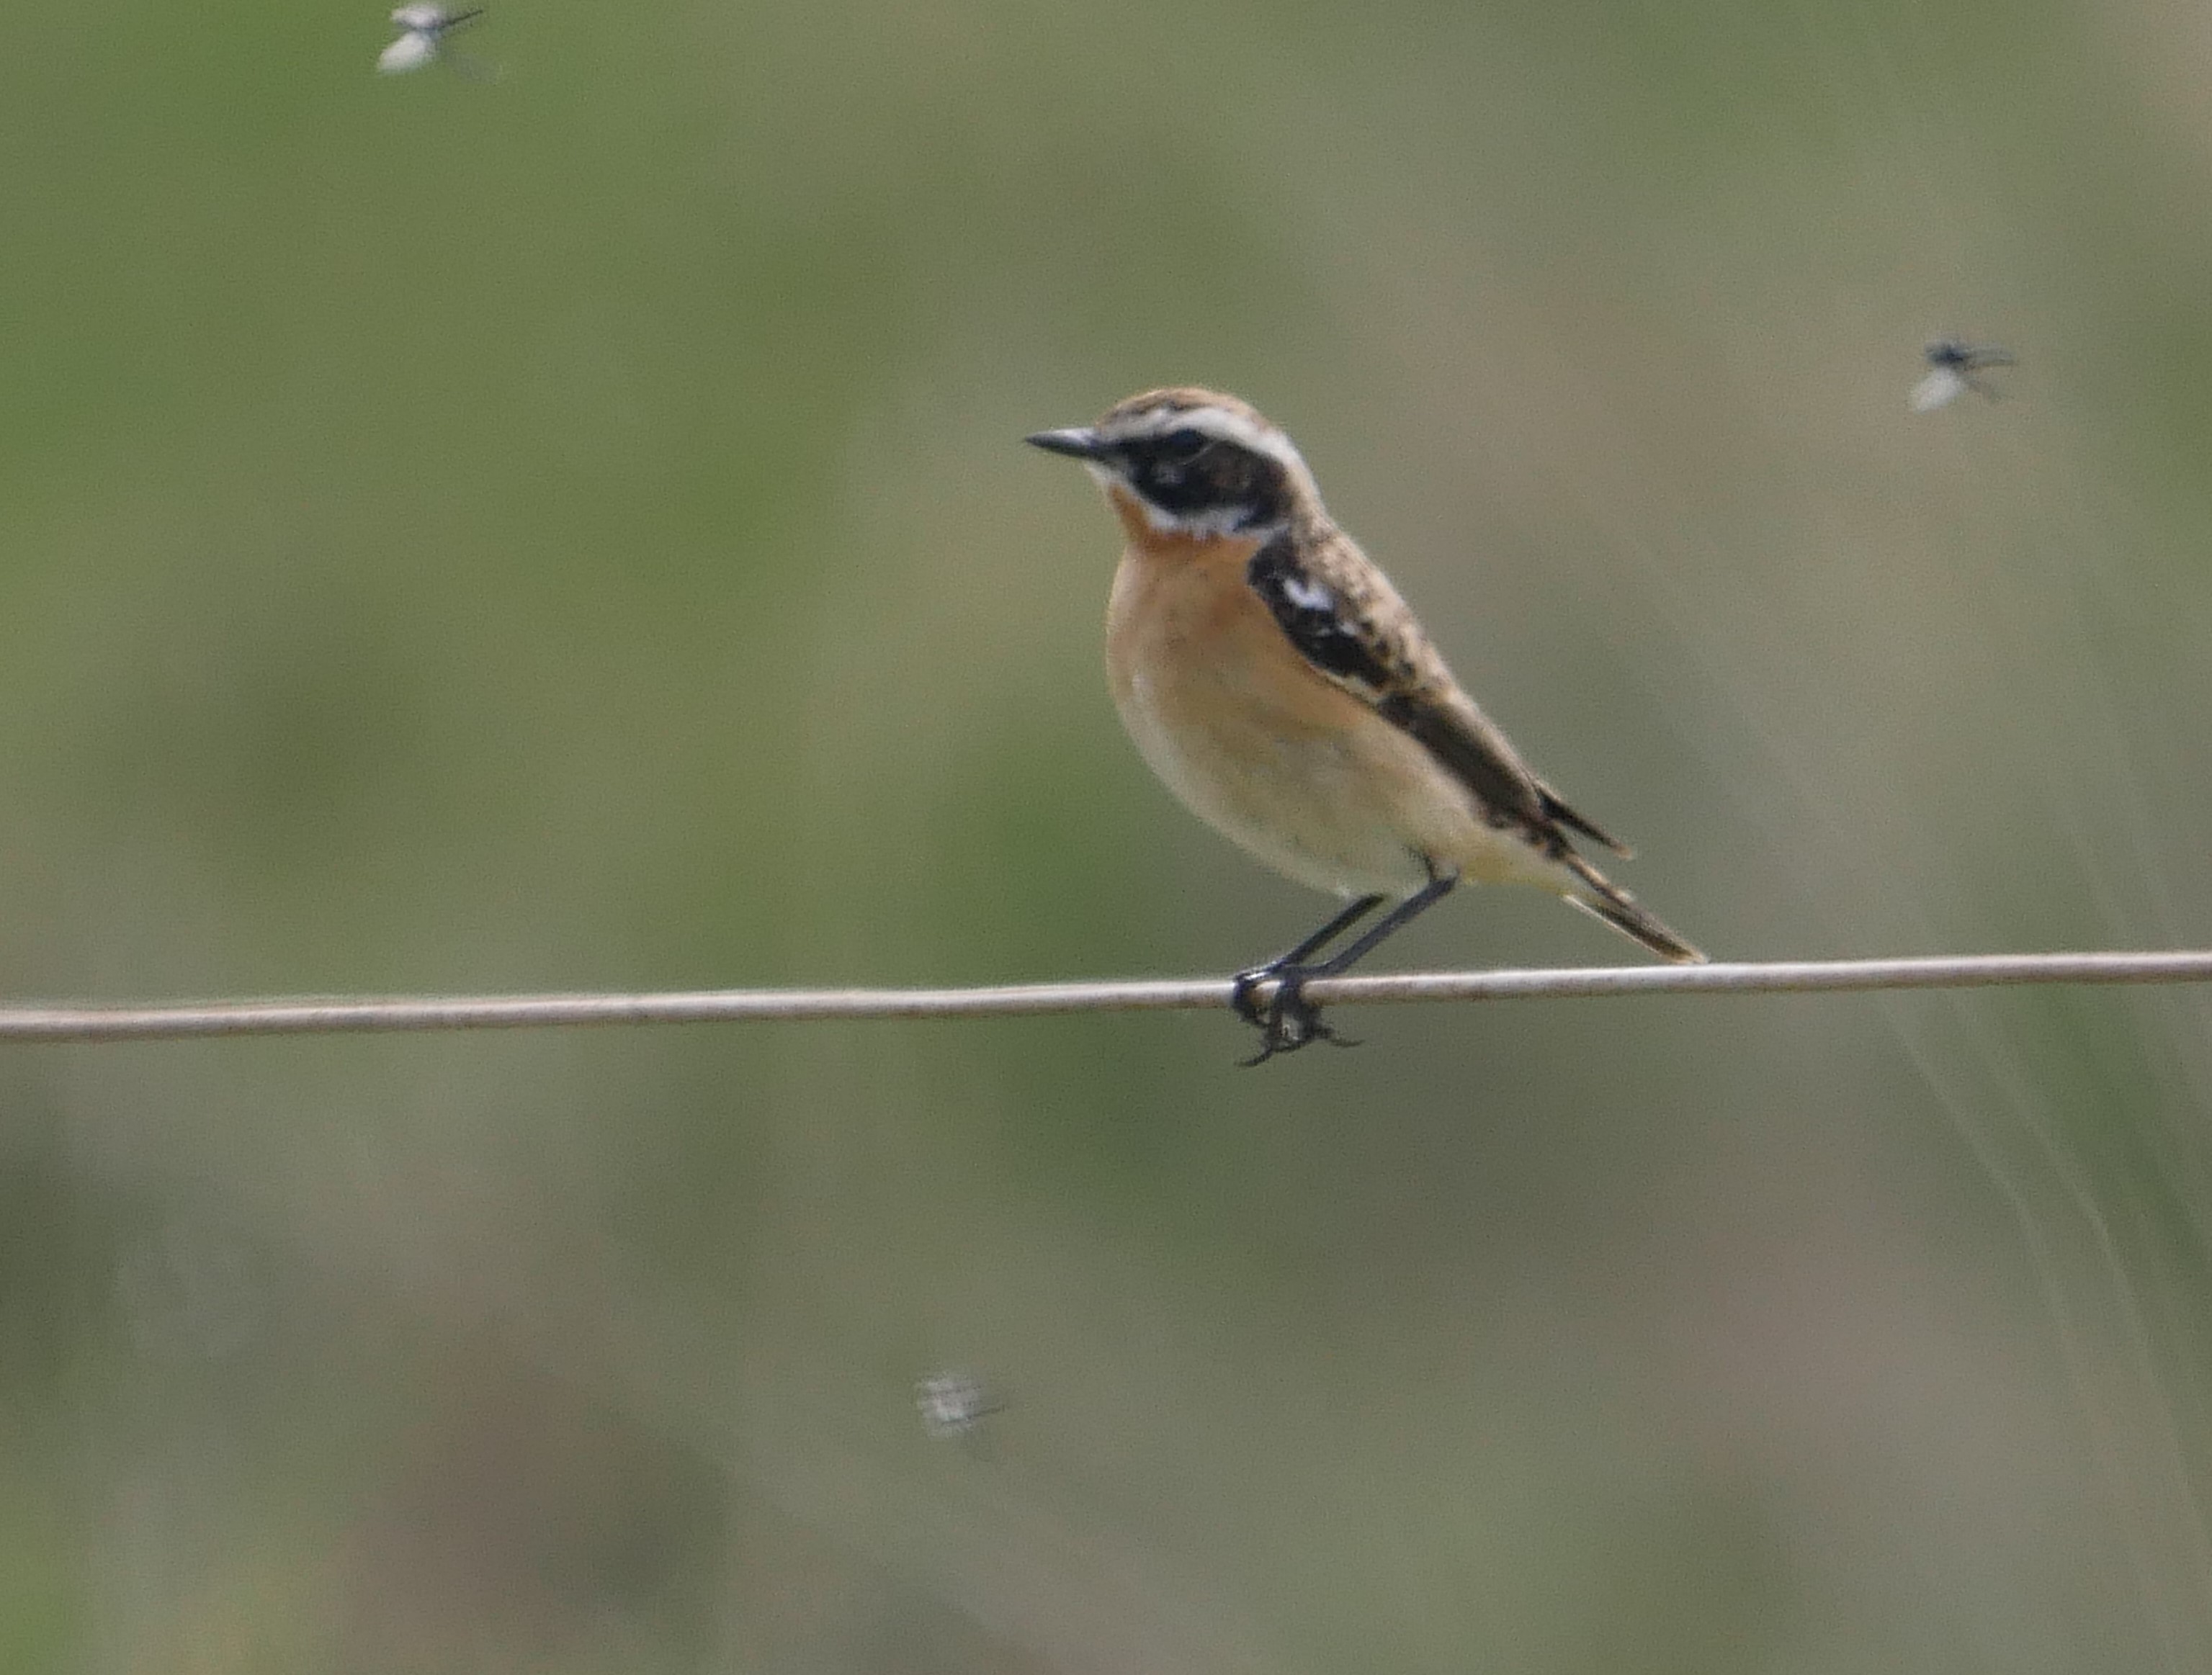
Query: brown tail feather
[1607, 901]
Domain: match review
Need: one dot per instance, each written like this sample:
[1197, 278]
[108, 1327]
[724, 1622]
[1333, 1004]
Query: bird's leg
[1246, 983]
[1290, 1020]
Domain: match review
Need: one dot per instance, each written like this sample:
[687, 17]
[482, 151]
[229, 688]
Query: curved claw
[1289, 1021]
[1267, 1052]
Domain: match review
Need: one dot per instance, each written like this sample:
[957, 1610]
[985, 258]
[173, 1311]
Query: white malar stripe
[1204, 525]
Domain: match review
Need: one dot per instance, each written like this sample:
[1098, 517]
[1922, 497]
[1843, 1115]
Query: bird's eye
[1184, 444]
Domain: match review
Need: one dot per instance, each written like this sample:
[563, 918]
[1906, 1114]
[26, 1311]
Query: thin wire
[342, 1015]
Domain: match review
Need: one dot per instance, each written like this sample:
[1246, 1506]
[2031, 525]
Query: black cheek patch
[1258, 485]
[1179, 488]
[1223, 478]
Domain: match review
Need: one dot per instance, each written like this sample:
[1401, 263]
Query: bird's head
[1191, 463]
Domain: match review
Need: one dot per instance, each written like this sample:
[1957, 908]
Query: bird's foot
[1286, 1021]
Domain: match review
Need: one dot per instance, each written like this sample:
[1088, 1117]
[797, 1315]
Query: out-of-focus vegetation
[573, 532]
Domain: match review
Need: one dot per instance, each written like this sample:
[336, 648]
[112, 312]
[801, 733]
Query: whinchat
[1272, 677]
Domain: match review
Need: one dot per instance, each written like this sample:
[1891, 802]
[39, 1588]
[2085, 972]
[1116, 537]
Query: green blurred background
[574, 532]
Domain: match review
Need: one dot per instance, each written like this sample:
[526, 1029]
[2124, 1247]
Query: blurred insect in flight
[423, 32]
[1952, 365]
[953, 1403]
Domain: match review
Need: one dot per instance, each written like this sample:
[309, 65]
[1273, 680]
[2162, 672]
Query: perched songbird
[422, 31]
[1270, 675]
[1952, 366]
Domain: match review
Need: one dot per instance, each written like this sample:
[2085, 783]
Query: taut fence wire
[341, 1014]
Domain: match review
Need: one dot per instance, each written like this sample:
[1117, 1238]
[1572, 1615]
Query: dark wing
[1345, 622]
[1581, 823]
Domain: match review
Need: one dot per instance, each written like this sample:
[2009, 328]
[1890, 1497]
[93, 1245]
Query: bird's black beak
[1080, 443]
